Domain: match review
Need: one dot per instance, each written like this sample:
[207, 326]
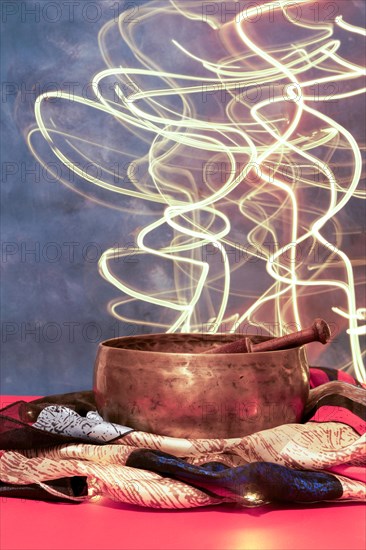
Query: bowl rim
[106, 344]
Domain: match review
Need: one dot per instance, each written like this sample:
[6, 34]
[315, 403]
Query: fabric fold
[59, 447]
[254, 483]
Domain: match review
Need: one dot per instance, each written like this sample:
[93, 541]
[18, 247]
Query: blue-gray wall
[53, 298]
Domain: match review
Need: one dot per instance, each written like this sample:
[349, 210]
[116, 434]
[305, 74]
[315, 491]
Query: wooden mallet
[318, 332]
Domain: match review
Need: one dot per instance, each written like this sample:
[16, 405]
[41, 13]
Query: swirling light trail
[261, 138]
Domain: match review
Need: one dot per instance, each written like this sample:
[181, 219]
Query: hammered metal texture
[161, 384]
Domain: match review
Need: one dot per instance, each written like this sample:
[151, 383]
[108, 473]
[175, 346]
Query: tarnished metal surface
[162, 384]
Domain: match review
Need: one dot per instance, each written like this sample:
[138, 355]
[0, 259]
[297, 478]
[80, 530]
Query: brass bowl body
[160, 383]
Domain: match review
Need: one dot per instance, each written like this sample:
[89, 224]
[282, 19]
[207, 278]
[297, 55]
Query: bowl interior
[177, 343]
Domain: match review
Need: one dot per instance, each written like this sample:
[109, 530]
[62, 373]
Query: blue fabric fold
[257, 481]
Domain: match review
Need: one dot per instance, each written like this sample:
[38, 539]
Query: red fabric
[345, 377]
[317, 378]
[339, 414]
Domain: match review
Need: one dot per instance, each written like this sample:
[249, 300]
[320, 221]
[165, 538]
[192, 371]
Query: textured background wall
[53, 298]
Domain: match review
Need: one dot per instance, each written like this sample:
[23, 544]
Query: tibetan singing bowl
[163, 384]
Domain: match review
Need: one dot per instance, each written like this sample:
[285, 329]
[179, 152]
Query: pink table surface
[109, 525]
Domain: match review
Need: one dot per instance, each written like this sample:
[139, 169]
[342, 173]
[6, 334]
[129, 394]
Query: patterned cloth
[58, 419]
[56, 448]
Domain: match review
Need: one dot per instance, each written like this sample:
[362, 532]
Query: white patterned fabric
[58, 419]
